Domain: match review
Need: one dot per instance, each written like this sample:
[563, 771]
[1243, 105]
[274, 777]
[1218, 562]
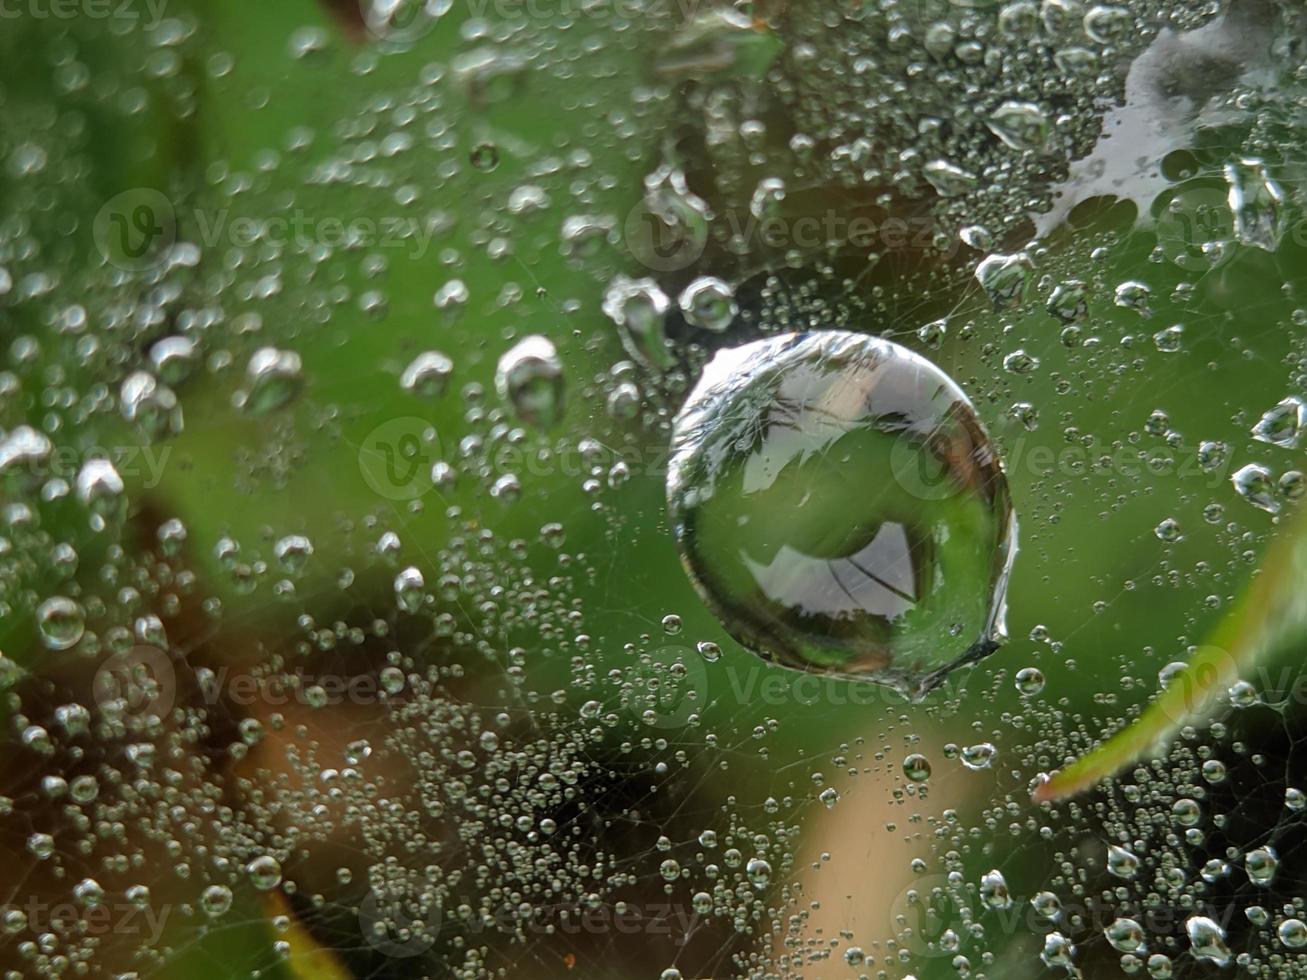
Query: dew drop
[709, 303]
[61, 622]
[1261, 865]
[1207, 940]
[1254, 483]
[1121, 863]
[530, 378]
[773, 456]
[274, 379]
[917, 768]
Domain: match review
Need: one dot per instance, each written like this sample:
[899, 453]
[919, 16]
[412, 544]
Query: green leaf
[1271, 613]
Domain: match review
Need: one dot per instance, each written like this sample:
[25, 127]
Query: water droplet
[216, 900]
[994, 891]
[773, 455]
[1069, 301]
[61, 622]
[1125, 935]
[1047, 906]
[484, 157]
[409, 589]
[100, 489]
[264, 872]
[530, 378]
[948, 179]
[274, 379]
[1293, 933]
[1030, 681]
[1186, 812]
[1261, 865]
[174, 359]
[1257, 203]
[980, 756]
[708, 303]
[1058, 951]
[1168, 530]
[427, 375]
[149, 405]
[639, 308]
[1255, 484]
[1107, 25]
[1207, 940]
[1121, 862]
[917, 768]
[1133, 295]
[1021, 125]
[24, 446]
[1004, 277]
[1283, 424]
[293, 551]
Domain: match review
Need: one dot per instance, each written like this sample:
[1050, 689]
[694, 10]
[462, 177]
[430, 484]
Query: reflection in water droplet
[840, 507]
[1257, 203]
[1207, 939]
[530, 378]
[1261, 865]
[994, 890]
[275, 377]
[61, 622]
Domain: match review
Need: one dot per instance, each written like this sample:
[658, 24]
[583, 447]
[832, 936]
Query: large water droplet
[1207, 940]
[840, 507]
[275, 378]
[530, 378]
[1261, 865]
